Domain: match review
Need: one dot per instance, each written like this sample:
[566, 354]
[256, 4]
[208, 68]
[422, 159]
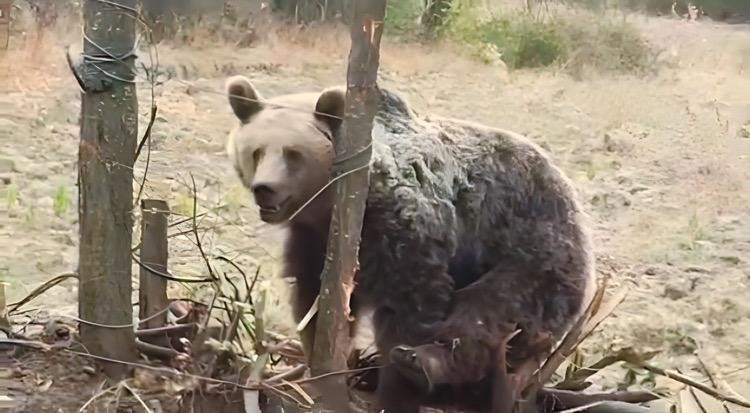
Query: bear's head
[283, 150]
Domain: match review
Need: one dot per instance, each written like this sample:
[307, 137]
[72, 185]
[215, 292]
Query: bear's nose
[263, 191]
[266, 196]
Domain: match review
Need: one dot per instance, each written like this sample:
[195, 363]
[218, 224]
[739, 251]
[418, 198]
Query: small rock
[731, 259]
[618, 141]
[698, 269]
[7, 165]
[694, 282]
[639, 188]
[81, 377]
[704, 170]
[650, 271]
[89, 370]
[744, 131]
[623, 180]
[718, 332]
[573, 129]
[6, 179]
[674, 293]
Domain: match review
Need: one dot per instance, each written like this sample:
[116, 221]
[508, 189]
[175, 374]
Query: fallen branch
[712, 380]
[291, 374]
[679, 377]
[609, 407]
[13, 307]
[153, 350]
[555, 400]
[170, 330]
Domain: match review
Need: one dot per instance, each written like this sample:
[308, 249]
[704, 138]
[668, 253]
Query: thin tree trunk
[109, 124]
[332, 325]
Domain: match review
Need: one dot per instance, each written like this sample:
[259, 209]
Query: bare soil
[662, 164]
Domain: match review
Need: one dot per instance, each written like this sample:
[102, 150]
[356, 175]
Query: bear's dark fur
[452, 206]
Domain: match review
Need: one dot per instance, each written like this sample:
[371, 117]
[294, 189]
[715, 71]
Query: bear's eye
[292, 156]
[256, 155]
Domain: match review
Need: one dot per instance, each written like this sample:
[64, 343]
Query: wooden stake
[154, 255]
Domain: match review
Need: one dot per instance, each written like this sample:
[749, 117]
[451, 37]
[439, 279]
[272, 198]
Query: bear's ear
[243, 98]
[330, 107]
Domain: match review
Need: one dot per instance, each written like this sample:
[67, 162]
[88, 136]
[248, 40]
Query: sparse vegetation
[694, 233]
[523, 39]
[11, 195]
[183, 204]
[61, 201]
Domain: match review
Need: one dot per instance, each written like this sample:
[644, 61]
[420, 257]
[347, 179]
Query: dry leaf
[45, 386]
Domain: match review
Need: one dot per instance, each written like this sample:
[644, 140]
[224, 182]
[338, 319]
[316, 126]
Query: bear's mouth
[272, 213]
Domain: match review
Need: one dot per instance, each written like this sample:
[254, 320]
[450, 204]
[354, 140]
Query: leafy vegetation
[531, 40]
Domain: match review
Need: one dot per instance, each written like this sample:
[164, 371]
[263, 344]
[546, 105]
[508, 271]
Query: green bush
[606, 45]
[524, 40]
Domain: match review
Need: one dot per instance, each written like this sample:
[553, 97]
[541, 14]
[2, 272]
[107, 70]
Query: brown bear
[467, 229]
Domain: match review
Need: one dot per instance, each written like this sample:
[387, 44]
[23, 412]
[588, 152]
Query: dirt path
[660, 162]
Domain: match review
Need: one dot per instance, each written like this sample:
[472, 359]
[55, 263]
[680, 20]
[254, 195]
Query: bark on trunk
[332, 325]
[109, 124]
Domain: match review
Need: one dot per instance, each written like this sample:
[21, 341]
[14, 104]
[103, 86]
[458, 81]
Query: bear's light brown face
[283, 155]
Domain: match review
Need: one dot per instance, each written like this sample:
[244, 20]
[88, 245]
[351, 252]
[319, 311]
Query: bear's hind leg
[395, 393]
[431, 362]
[507, 298]
[502, 387]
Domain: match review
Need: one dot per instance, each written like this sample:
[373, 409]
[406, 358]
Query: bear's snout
[262, 191]
[272, 201]
[266, 195]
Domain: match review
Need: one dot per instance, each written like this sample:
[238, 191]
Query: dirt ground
[662, 164]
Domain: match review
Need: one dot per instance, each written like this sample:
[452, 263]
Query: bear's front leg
[303, 301]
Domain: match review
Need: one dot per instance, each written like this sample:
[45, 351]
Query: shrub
[524, 40]
[606, 45]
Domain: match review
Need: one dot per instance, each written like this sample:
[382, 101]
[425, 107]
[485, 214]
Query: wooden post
[154, 255]
[5, 7]
[109, 125]
[332, 327]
